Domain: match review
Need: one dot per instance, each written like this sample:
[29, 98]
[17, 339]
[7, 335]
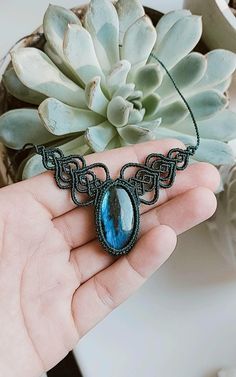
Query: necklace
[117, 202]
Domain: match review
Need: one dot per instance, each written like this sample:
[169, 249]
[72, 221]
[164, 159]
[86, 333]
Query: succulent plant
[223, 224]
[97, 86]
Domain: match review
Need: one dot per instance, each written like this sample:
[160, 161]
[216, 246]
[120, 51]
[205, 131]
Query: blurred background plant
[219, 31]
[223, 223]
[96, 87]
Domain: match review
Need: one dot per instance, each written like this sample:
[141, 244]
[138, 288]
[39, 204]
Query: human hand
[56, 282]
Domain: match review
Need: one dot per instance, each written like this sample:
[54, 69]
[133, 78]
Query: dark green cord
[184, 100]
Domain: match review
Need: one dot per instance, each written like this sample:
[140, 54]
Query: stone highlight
[117, 217]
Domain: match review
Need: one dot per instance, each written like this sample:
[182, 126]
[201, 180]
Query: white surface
[182, 323]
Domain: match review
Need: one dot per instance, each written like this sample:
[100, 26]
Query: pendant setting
[117, 217]
[116, 202]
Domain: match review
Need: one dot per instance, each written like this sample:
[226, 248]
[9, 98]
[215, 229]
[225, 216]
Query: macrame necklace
[117, 202]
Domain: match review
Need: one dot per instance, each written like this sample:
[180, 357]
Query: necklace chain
[193, 148]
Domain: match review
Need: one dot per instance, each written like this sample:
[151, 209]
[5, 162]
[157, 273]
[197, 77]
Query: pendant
[117, 217]
[116, 202]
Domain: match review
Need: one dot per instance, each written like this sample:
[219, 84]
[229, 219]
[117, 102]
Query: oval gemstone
[117, 217]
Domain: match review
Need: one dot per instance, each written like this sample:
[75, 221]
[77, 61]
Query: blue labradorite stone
[117, 217]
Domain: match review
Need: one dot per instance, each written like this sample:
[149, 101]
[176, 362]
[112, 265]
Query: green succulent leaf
[172, 114]
[148, 78]
[215, 152]
[136, 116]
[101, 20]
[53, 55]
[124, 91]
[123, 143]
[128, 12]
[15, 87]
[61, 63]
[212, 151]
[80, 54]
[224, 85]
[55, 24]
[137, 104]
[116, 142]
[134, 134]
[138, 42]
[221, 127]
[137, 95]
[56, 21]
[186, 74]
[151, 104]
[33, 166]
[61, 119]
[221, 64]
[167, 22]
[76, 146]
[95, 99]
[174, 48]
[151, 125]
[100, 136]
[118, 111]
[29, 61]
[22, 126]
[118, 75]
[208, 103]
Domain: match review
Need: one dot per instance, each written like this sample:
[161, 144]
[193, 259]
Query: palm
[56, 282]
[38, 269]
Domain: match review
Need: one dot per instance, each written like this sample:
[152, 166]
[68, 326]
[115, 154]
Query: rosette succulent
[97, 86]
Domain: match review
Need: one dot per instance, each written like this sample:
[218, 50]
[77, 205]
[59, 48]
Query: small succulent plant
[223, 224]
[97, 86]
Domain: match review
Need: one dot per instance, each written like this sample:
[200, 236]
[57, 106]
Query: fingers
[181, 213]
[58, 202]
[105, 291]
[77, 225]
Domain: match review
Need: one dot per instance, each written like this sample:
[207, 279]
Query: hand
[56, 282]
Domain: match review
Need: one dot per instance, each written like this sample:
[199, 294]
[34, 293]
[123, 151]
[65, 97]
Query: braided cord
[184, 100]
